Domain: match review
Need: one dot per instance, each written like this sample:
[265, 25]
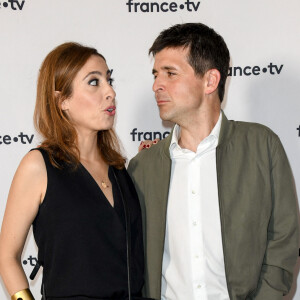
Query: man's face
[178, 91]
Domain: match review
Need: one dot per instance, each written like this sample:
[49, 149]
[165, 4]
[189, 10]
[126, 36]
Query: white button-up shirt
[193, 261]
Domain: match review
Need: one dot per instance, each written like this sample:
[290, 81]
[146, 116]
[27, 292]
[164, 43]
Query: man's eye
[94, 82]
[171, 74]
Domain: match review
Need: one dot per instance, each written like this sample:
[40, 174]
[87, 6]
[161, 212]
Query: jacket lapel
[156, 218]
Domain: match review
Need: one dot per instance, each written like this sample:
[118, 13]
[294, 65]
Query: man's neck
[195, 131]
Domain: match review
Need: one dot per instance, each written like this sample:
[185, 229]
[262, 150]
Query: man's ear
[63, 103]
[213, 77]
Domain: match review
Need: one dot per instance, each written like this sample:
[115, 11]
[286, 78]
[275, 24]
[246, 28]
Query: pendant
[104, 185]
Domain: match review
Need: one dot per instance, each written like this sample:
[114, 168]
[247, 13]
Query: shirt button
[193, 192]
[195, 223]
[199, 286]
[197, 256]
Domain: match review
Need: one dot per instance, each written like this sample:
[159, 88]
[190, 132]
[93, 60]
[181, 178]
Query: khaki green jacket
[258, 210]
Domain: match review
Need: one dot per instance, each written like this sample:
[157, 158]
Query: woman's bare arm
[26, 194]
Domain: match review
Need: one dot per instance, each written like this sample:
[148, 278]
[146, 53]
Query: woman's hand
[147, 144]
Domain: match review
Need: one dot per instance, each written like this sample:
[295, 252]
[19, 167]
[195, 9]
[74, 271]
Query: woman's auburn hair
[54, 84]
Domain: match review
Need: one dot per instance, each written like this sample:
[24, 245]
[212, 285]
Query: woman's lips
[111, 110]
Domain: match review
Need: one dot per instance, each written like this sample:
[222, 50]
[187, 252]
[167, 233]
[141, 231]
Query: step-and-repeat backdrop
[264, 83]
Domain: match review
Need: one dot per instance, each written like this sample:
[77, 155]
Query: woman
[74, 189]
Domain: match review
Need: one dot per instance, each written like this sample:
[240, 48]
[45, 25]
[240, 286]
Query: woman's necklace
[104, 184]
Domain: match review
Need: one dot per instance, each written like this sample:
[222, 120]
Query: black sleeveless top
[81, 238]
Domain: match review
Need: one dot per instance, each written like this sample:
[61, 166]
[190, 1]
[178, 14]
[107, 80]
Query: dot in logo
[25, 262]
[5, 4]
[15, 139]
[181, 6]
[264, 70]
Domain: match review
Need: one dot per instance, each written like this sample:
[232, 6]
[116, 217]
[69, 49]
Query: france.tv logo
[12, 4]
[152, 7]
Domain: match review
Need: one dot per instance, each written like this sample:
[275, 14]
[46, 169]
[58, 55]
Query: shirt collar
[214, 134]
[216, 130]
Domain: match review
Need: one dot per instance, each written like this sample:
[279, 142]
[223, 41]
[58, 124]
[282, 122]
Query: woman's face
[91, 106]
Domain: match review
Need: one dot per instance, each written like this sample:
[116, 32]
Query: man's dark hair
[207, 49]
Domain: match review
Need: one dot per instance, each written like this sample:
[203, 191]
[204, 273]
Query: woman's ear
[63, 103]
[213, 78]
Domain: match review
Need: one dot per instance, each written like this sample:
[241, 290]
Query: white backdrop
[263, 38]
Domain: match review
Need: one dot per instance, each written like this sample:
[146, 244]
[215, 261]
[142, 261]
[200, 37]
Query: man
[217, 196]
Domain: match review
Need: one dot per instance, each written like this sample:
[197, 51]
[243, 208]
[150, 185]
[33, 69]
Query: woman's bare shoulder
[33, 162]
[32, 173]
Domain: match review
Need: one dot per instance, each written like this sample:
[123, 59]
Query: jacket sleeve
[283, 231]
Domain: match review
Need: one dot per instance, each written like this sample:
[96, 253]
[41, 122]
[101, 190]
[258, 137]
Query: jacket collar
[226, 130]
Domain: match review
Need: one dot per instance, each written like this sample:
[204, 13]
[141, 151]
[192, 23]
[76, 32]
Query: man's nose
[157, 84]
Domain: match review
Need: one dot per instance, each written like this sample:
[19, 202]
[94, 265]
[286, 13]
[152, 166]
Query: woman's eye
[110, 81]
[94, 82]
